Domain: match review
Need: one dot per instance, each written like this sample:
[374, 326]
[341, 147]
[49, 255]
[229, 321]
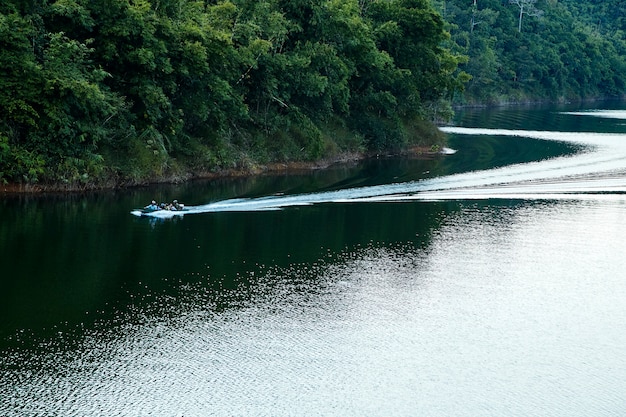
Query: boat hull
[158, 213]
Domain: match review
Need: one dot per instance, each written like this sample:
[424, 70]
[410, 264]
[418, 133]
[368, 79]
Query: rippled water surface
[401, 288]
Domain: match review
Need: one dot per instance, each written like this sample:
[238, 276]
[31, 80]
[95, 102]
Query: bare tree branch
[526, 7]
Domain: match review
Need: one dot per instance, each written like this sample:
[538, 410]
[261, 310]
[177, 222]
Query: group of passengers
[174, 206]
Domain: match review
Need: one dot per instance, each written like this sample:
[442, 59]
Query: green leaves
[165, 83]
[572, 52]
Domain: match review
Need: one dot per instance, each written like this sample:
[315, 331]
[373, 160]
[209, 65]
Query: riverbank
[260, 169]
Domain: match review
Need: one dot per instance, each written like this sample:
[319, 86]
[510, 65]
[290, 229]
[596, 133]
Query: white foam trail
[448, 151]
[607, 114]
[598, 170]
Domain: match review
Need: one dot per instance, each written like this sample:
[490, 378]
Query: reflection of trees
[71, 257]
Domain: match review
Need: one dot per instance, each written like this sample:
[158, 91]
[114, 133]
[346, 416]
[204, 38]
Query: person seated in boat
[152, 206]
[176, 205]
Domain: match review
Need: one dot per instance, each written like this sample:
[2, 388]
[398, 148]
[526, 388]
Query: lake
[487, 282]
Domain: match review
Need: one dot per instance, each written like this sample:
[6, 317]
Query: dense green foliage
[95, 91]
[127, 90]
[539, 49]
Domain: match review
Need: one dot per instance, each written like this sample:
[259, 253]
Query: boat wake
[597, 171]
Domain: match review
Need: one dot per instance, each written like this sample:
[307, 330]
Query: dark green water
[333, 308]
[70, 260]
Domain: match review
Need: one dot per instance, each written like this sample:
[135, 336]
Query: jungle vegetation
[529, 50]
[110, 92]
[118, 91]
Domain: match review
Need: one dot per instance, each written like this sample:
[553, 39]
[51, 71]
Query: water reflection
[89, 267]
[385, 329]
[453, 307]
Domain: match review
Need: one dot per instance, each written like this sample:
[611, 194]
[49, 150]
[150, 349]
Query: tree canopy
[521, 50]
[124, 90]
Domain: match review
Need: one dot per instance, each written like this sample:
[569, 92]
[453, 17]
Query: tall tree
[526, 7]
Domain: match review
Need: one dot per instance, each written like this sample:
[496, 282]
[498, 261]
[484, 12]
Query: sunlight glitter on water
[508, 307]
[510, 311]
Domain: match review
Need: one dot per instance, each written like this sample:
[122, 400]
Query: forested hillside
[122, 91]
[99, 92]
[539, 49]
